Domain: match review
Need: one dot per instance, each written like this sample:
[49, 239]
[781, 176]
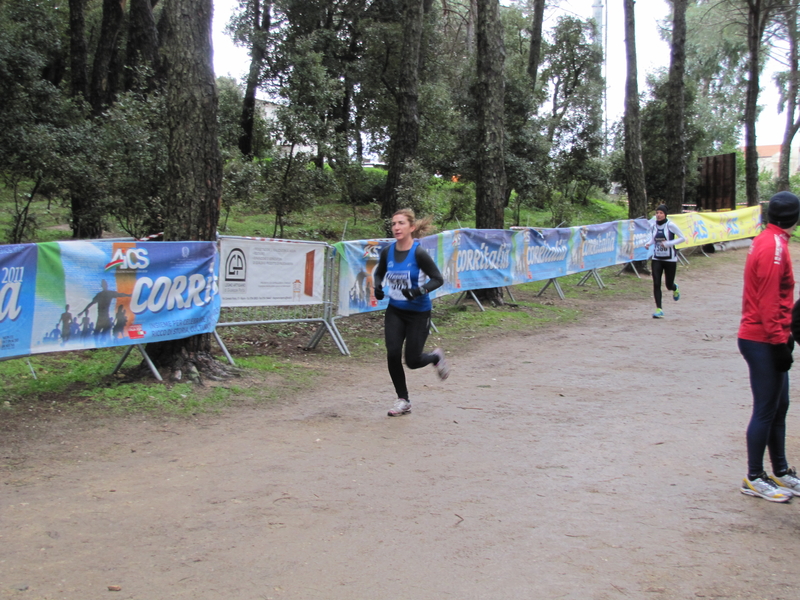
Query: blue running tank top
[404, 276]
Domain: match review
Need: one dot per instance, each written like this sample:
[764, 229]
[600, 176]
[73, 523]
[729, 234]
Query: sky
[651, 51]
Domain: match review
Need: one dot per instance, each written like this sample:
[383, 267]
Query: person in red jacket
[766, 343]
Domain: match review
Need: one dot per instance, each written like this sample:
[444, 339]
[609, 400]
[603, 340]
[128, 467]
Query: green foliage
[133, 142]
[291, 184]
[32, 108]
[242, 185]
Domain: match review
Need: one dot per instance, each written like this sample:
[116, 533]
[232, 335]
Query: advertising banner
[709, 228]
[357, 262]
[89, 294]
[17, 287]
[271, 272]
[472, 259]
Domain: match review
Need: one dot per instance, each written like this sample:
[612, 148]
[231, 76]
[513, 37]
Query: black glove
[412, 293]
[378, 293]
[782, 357]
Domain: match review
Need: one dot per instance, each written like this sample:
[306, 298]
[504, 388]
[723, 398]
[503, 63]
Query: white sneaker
[788, 482]
[401, 407]
[763, 487]
[442, 368]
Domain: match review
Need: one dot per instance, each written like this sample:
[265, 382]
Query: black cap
[662, 208]
[784, 210]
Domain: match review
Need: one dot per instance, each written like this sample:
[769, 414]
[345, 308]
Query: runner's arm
[380, 270]
[426, 264]
[679, 237]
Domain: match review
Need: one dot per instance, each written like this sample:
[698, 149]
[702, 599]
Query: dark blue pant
[767, 428]
[412, 328]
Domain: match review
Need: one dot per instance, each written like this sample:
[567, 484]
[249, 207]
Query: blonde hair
[422, 226]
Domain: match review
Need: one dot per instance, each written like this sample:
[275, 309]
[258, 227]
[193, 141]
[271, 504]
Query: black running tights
[668, 268]
[412, 328]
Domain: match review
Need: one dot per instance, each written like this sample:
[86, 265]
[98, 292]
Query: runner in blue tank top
[409, 273]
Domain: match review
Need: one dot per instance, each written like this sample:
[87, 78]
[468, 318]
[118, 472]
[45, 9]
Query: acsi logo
[236, 266]
[131, 258]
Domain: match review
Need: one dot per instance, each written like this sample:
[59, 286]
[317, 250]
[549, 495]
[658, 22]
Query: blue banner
[17, 288]
[91, 294]
[472, 259]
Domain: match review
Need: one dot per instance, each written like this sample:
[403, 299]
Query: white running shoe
[788, 482]
[763, 487]
[401, 407]
[442, 368]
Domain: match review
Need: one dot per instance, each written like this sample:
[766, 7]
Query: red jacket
[768, 288]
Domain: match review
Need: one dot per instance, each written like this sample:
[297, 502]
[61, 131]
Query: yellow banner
[712, 227]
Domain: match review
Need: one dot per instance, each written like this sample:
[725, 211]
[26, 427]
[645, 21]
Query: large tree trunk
[142, 50]
[262, 21]
[78, 52]
[535, 54]
[101, 92]
[194, 164]
[403, 146]
[792, 125]
[637, 194]
[676, 160]
[759, 14]
[490, 185]
[751, 104]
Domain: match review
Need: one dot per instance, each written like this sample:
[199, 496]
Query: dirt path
[600, 460]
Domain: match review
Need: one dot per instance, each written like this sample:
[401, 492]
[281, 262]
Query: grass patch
[178, 399]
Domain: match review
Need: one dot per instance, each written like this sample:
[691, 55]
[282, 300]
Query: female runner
[410, 273]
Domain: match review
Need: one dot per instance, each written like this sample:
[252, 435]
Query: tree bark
[78, 52]
[792, 125]
[676, 150]
[403, 146]
[759, 13]
[262, 20]
[535, 54]
[490, 186]
[101, 92]
[142, 50]
[194, 164]
[637, 193]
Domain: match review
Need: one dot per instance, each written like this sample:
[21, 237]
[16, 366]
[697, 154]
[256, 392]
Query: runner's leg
[416, 335]
[394, 335]
[657, 267]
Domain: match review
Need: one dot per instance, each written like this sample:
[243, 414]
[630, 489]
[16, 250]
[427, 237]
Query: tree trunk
[790, 15]
[637, 194]
[194, 164]
[535, 54]
[490, 184]
[758, 16]
[262, 20]
[403, 146]
[87, 222]
[142, 50]
[78, 52]
[751, 104]
[470, 26]
[101, 92]
[676, 150]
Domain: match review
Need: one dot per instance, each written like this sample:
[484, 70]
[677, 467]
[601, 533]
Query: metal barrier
[270, 313]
